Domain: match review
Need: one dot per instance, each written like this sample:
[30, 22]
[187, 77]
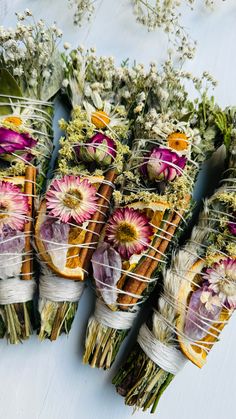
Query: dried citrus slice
[17, 180]
[154, 206]
[197, 352]
[72, 268]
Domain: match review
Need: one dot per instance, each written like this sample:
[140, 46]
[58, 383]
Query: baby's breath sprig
[29, 52]
[161, 14]
[84, 9]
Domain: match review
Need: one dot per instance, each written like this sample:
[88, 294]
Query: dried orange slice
[72, 268]
[17, 180]
[197, 352]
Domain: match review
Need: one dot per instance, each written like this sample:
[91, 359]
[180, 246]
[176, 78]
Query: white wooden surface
[47, 380]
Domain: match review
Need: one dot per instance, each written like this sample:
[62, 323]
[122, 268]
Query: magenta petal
[170, 173]
[232, 228]
[199, 319]
[99, 148]
[163, 164]
[165, 154]
[11, 141]
[181, 162]
[106, 263]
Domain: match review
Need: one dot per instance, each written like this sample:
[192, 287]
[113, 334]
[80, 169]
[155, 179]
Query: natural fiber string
[120, 320]
[166, 357]
[13, 290]
[57, 289]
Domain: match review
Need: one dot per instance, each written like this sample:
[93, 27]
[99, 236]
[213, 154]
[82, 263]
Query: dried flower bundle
[30, 76]
[151, 207]
[196, 301]
[77, 199]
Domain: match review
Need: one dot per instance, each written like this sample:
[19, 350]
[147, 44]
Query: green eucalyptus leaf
[9, 87]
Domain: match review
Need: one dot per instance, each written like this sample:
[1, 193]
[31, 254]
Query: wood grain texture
[47, 380]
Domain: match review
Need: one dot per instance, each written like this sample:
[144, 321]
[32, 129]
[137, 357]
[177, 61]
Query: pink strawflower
[129, 232]
[14, 207]
[71, 198]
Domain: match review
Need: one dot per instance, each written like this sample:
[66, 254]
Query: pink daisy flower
[14, 207]
[71, 199]
[222, 281]
[129, 232]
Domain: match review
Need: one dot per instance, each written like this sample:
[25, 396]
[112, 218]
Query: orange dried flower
[15, 120]
[178, 141]
[100, 119]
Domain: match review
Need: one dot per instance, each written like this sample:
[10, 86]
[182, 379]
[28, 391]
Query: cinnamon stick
[95, 227]
[152, 252]
[148, 266]
[27, 265]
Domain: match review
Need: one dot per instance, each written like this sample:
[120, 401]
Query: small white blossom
[28, 12]
[164, 95]
[65, 83]
[18, 71]
[67, 45]
[138, 108]
[46, 74]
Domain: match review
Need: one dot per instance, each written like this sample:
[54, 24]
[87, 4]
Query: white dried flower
[164, 95]
[28, 51]
[67, 45]
[138, 108]
[87, 90]
[107, 84]
[65, 83]
[126, 94]
[18, 71]
[28, 12]
[141, 97]
[46, 74]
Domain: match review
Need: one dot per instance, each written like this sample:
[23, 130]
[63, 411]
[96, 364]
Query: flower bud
[15, 142]
[99, 148]
[162, 164]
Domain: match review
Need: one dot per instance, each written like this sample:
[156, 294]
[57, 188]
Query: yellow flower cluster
[228, 198]
[16, 169]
